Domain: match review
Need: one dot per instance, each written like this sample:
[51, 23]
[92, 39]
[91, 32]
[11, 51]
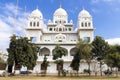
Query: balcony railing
[50, 58]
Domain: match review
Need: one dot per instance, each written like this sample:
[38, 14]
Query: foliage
[45, 63]
[77, 57]
[100, 49]
[2, 64]
[22, 52]
[59, 52]
[75, 62]
[113, 57]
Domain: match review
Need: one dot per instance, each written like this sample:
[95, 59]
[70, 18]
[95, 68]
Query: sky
[105, 14]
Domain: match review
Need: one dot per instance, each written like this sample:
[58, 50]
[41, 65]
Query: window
[89, 24]
[60, 29]
[85, 24]
[30, 23]
[38, 24]
[55, 21]
[82, 24]
[50, 29]
[86, 39]
[69, 29]
[64, 21]
[34, 24]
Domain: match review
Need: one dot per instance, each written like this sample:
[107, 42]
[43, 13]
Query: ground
[31, 77]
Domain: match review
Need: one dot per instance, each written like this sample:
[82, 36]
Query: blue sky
[105, 13]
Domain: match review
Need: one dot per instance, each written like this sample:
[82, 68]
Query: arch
[37, 24]
[86, 24]
[82, 24]
[30, 23]
[34, 24]
[53, 51]
[60, 29]
[44, 51]
[73, 51]
[89, 24]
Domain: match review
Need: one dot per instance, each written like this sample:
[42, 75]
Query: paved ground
[35, 77]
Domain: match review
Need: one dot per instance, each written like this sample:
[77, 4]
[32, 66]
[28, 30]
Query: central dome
[60, 12]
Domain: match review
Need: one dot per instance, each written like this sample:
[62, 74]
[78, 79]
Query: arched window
[82, 24]
[50, 29]
[85, 24]
[89, 24]
[38, 24]
[30, 23]
[34, 24]
[60, 29]
[69, 29]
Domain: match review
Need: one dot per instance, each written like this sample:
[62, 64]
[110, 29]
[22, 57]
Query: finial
[83, 7]
[60, 5]
[37, 7]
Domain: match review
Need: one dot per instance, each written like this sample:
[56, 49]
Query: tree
[100, 49]
[76, 62]
[87, 55]
[83, 52]
[59, 52]
[21, 53]
[113, 58]
[44, 65]
[2, 64]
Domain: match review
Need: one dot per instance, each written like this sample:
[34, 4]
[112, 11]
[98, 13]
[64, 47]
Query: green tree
[113, 57]
[83, 52]
[87, 55]
[76, 62]
[100, 49]
[59, 52]
[44, 65]
[22, 52]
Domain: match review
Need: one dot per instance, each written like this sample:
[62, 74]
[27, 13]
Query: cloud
[113, 41]
[105, 1]
[8, 23]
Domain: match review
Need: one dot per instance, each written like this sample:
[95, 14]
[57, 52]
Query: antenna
[23, 29]
[14, 25]
[60, 4]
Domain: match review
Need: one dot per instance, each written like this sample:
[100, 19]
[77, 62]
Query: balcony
[50, 58]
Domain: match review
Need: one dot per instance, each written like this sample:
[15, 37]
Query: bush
[2, 65]
[87, 71]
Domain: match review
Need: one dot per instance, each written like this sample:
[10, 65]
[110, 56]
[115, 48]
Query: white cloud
[113, 41]
[106, 1]
[8, 23]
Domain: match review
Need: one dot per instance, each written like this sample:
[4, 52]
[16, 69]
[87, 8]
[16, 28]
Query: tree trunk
[89, 69]
[116, 72]
[100, 68]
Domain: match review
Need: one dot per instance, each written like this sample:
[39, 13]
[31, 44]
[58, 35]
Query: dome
[84, 13]
[36, 13]
[60, 12]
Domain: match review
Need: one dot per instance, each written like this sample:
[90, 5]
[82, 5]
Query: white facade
[59, 31]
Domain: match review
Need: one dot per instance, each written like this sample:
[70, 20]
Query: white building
[59, 31]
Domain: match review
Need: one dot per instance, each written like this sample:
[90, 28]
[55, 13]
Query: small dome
[84, 13]
[37, 13]
[60, 12]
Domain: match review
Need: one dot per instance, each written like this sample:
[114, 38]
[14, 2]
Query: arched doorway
[73, 51]
[44, 52]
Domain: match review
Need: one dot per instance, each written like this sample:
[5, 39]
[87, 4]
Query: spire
[37, 7]
[83, 8]
[60, 5]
